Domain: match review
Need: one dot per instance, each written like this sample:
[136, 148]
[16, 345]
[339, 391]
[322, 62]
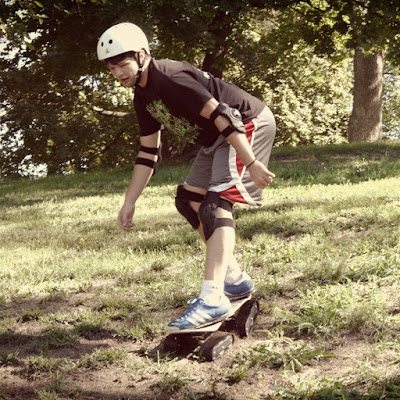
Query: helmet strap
[140, 70]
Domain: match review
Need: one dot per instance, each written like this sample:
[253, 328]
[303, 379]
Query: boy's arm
[140, 177]
[261, 176]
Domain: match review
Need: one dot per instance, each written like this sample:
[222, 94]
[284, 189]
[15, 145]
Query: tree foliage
[51, 83]
[310, 95]
[370, 29]
[364, 27]
[50, 79]
[328, 24]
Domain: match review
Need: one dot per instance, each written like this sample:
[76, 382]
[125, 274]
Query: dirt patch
[145, 372]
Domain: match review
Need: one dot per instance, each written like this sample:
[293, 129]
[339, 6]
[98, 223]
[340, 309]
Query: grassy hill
[84, 305]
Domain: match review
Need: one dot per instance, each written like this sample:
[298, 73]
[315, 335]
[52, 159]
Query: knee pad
[182, 199]
[207, 213]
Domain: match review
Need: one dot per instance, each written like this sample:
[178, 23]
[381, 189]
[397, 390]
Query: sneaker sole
[235, 297]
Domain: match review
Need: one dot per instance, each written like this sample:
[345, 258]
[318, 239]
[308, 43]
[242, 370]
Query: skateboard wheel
[216, 345]
[171, 344]
[246, 318]
[175, 343]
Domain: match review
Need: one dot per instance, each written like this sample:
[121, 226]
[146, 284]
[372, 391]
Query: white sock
[233, 272]
[211, 291]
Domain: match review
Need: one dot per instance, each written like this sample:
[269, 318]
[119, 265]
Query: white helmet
[121, 38]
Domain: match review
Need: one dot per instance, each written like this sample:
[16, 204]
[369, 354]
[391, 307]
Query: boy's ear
[142, 54]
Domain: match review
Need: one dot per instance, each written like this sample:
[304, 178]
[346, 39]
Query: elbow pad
[150, 163]
[232, 115]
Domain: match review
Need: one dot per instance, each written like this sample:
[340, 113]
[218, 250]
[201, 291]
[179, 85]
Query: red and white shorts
[219, 169]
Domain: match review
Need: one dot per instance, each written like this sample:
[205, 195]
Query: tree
[51, 46]
[365, 124]
[48, 73]
[391, 101]
[366, 27]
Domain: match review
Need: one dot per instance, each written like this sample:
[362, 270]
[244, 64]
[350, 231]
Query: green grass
[78, 295]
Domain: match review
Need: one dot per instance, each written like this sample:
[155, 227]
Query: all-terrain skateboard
[215, 339]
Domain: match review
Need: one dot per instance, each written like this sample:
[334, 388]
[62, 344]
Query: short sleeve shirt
[175, 94]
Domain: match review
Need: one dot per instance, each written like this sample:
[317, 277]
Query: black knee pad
[182, 199]
[207, 213]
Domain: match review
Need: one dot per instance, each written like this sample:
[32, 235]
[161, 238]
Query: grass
[80, 298]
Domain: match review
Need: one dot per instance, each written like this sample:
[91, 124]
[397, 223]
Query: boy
[236, 131]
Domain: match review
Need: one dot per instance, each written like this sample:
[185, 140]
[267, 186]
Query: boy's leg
[212, 304]
[218, 252]
[232, 181]
[233, 272]
[220, 241]
[218, 164]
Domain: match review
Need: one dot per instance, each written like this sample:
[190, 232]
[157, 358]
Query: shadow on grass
[29, 391]
[55, 341]
[382, 390]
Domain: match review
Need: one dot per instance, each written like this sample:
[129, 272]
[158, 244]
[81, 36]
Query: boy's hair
[118, 58]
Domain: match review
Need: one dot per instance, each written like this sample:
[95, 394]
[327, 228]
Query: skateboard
[215, 339]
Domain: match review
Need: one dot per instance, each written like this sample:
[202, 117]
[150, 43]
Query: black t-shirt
[175, 94]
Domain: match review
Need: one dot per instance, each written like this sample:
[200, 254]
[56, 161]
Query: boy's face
[125, 71]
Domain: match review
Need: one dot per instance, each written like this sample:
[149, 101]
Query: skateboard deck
[216, 338]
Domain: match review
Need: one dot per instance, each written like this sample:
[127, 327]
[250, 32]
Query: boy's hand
[260, 175]
[125, 216]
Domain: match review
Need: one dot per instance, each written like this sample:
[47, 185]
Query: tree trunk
[220, 29]
[365, 124]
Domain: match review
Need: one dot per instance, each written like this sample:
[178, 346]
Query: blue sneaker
[199, 315]
[243, 287]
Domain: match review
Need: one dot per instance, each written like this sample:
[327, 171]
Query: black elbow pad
[150, 163]
[232, 115]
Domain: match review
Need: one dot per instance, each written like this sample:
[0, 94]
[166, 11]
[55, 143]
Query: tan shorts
[219, 169]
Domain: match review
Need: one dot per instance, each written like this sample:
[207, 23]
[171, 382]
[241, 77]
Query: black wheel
[176, 343]
[216, 345]
[170, 344]
[246, 318]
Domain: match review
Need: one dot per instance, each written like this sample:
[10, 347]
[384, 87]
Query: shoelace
[192, 301]
[190, 310]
